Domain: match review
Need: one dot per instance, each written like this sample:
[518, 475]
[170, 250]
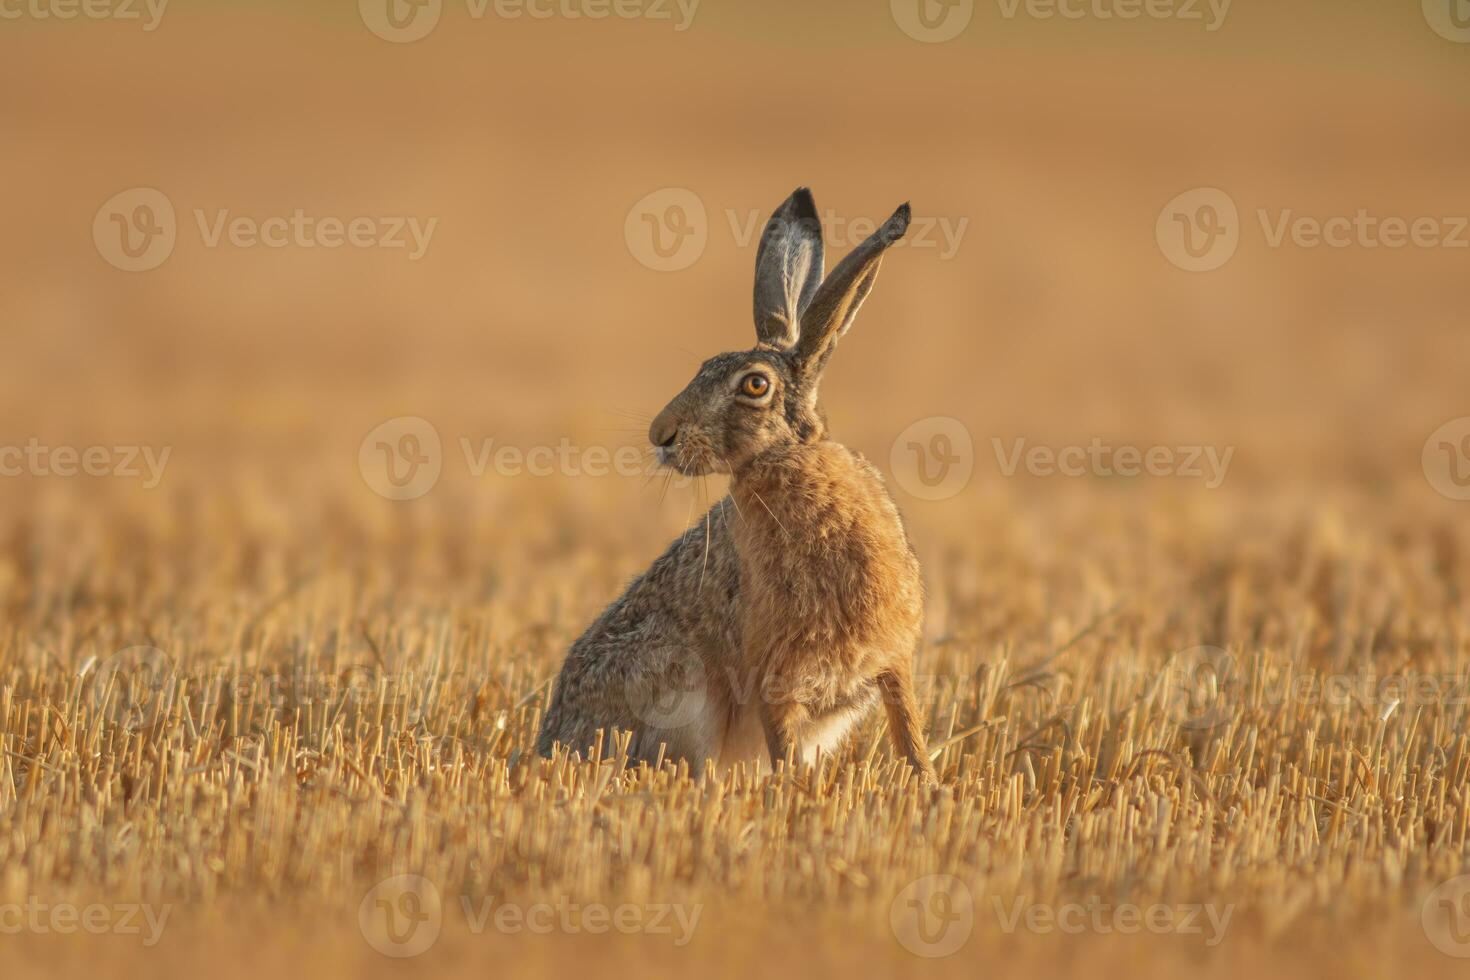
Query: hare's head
[743, 403]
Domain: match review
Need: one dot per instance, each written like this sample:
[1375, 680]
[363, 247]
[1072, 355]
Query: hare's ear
[788, 269]
[830, 312]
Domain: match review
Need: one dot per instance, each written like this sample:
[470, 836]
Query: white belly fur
[745, 740]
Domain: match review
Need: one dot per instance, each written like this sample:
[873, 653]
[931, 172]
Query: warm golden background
[1051, 144]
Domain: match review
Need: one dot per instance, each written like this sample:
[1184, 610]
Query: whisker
[625, 413]
[689, 517]
[704, 487]
[731, 497]
[767, 506]
[650, 454]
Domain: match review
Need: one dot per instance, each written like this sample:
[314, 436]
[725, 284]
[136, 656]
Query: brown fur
[832, 600]
[795, 605]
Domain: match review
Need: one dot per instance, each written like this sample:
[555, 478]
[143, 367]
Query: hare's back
[646, 662]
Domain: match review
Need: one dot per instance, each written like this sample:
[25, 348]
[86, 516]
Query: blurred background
[1036, 299]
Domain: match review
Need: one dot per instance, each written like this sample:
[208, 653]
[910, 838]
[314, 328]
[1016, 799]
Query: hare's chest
[828, 582]
[829, 590]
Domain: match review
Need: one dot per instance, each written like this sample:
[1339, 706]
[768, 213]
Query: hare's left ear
[837, 300]
[788, 269]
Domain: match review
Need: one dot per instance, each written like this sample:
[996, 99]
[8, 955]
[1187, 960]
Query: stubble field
[256, 718]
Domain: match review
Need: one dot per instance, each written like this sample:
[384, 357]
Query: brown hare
[780, 620]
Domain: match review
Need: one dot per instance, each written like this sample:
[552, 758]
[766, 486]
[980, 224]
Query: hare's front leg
[782, 718]
[904, 721]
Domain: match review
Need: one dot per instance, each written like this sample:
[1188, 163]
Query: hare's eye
[755, 385]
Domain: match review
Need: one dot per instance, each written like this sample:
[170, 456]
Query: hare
[773, 630]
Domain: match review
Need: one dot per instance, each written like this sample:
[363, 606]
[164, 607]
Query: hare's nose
[663, 431]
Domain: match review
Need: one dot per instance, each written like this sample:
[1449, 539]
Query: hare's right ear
[788, 269]
[830, 312]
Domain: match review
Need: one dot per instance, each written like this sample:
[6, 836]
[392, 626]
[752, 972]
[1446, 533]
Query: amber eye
[755, 385]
